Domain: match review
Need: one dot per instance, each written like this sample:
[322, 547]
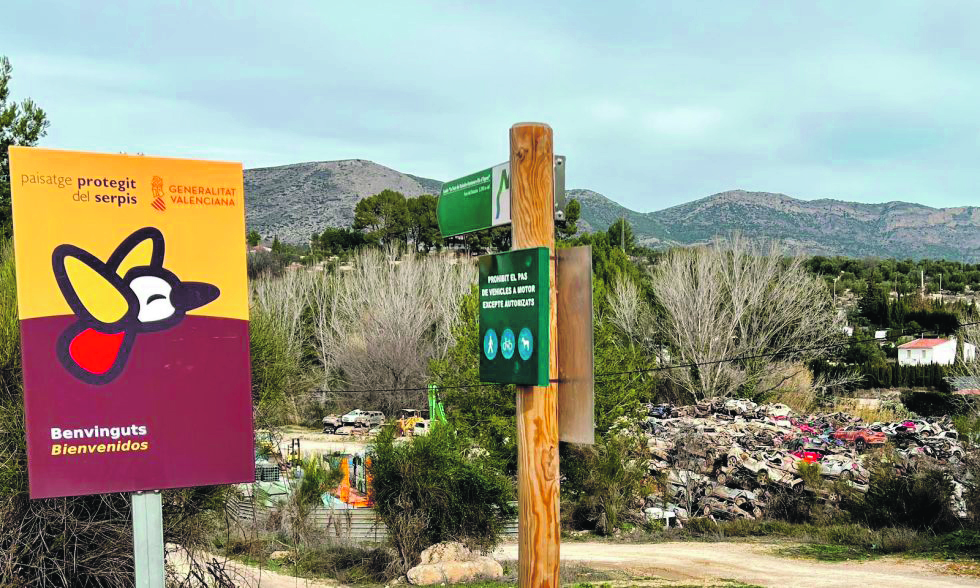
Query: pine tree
[20, 125]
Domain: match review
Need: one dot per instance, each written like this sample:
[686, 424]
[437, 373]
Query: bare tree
[628, 312]
[378, 325]
[734, 299]
[279, 376]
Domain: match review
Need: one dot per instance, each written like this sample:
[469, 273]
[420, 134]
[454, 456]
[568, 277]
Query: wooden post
[533, 214]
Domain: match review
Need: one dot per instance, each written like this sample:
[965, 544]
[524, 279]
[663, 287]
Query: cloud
[683, 122]
[653, 103]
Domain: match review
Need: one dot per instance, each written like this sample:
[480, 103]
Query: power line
[607, 375]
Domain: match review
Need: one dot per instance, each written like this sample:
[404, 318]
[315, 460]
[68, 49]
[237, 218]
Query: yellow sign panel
[199, 207]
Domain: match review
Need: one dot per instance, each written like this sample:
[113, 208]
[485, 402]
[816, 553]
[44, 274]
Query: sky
[653, 103]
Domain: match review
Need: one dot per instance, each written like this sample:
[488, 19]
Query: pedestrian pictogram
[490, 344]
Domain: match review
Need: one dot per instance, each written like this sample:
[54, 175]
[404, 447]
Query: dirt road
[751, 564]
[312, 442]
[244, 576]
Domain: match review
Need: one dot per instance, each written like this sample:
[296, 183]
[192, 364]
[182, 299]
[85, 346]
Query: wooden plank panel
[576, 383]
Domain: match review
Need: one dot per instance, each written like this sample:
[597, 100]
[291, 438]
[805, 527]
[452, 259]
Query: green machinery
[436, 411]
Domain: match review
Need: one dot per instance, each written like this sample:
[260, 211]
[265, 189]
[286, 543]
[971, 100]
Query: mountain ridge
[295, 200]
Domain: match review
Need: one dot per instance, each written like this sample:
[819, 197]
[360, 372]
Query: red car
[860, 436]
[807, 456]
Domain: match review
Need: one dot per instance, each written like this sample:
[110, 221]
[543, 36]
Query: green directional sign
[514, 317]
[475, 202]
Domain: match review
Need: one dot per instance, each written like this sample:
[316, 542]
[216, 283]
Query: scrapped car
[661, 411]
[353, 416]
[736, 406]
[745, 499]
[331, 423]
[861, 437]
[841, 466]
[807, 456]
[777, 412]
[944, 448]
[772, 469]
[368, 418]
[726, 510]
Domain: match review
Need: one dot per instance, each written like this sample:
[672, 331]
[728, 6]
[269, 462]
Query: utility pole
[533, 216]
[622, 233]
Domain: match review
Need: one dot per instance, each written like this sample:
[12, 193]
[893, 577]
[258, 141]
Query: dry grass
[798, 392]
[867, 414]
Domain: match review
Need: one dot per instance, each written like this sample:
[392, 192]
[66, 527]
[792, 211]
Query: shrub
[293, 514]
[432, 489]
[971, 493]
[265, 264]
[755, 528]
[920, 499]
[931, 403]
[702, 526]
[791, 506]
[347, 564]
[605, 483]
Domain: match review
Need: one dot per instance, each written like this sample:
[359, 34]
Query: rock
[456, 572]
[447, 551]
[426, 575]
[280, 556]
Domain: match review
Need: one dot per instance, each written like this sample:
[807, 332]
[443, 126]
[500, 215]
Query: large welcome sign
[133, 305]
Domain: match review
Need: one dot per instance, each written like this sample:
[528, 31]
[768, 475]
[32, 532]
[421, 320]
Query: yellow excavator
[407, 419]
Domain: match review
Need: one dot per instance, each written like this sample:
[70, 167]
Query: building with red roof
[933, 351]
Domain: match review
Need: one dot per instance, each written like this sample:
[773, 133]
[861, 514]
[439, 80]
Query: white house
[933, 351]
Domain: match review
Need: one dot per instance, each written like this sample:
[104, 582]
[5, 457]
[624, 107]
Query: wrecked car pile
[727, 458]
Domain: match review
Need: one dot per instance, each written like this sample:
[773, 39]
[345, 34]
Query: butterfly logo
[115, 300]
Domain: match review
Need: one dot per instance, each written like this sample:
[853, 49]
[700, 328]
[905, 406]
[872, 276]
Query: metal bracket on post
[560, 199]
[148, 539]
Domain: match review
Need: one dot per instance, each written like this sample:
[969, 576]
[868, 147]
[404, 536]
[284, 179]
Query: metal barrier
[357, 525]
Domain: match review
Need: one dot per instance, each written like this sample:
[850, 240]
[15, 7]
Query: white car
[368, 418]
[353, 416]
[834, 466]
[421, 428]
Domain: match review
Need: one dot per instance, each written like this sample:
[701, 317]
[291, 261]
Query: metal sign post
[148, 539]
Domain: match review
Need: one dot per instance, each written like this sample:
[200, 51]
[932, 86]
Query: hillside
[825, 227]
[831, 227]
[294, 201]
